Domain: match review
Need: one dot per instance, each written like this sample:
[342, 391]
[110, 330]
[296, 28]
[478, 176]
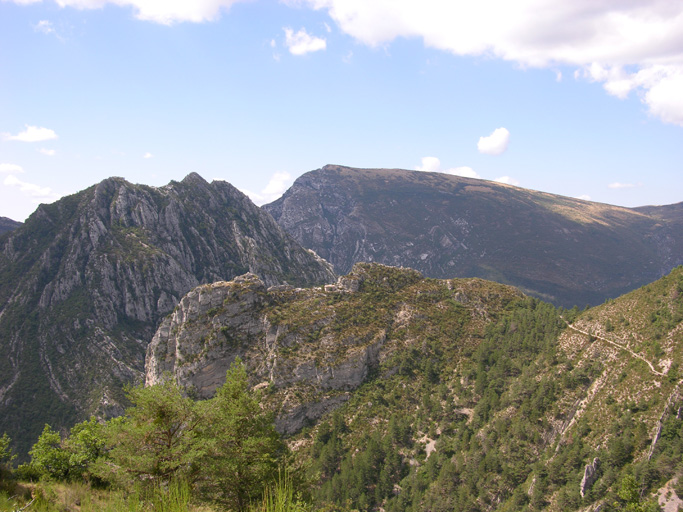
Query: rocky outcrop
[85, 282]
[590, 476]
[308, 349]
[563, 250]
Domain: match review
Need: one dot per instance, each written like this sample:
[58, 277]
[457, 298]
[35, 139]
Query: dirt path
[618, 345]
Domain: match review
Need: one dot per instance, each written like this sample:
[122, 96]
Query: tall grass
[281, 497]
[57, 497]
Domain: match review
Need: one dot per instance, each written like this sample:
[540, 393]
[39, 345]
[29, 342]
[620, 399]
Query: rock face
[86, 280]
[7, 225]
[590, 476]
[308, 349]
[563, 250]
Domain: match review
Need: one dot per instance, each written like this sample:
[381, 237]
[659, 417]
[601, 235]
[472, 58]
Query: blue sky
[561, 97]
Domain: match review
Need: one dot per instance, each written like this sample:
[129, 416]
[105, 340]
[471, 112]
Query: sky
[582, 98]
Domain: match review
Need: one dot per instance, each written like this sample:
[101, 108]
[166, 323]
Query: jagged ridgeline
[85, 281]
[416, 394]
[564, 250]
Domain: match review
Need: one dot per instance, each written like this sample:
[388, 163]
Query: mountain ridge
[564, 250]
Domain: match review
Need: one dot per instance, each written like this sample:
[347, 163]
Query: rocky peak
[194, 179]
[87, 279]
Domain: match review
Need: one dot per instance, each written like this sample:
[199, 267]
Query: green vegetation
[167, 453]
[479, 399]
[485, 432]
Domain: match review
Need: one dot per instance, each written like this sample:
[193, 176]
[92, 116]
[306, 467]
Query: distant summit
[8, 225]
[564, 250]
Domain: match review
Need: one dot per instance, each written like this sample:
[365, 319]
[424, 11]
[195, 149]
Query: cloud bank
[626, 45]
[629, 46]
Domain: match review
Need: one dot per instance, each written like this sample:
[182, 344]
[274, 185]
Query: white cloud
[165, 12]
[276, 186]
[618, 185]
[45, 27]
[32, 134]
[8, 168]
[637, 43]
[148, 155]
[494, 144]
[429, 164]
[433, 164]
[631, 39]
[507, 180]
[47, 152]
[301, 43]
[585, 197]
[37, 193]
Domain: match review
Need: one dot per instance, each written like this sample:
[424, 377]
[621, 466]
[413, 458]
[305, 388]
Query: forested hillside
[475, 398]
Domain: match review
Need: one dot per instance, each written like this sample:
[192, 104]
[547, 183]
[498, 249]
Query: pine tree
[242, 448]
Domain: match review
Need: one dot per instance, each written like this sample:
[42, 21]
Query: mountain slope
[417, 394]
[7, 225]
[313, 347]
[84, 282]
[564, 250]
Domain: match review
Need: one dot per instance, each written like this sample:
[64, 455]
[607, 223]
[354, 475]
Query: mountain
[564, 250]
[408, 393]
[8, 225]
[85, 281]
[312, 347]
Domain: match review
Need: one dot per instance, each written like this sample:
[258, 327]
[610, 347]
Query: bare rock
[590, 476]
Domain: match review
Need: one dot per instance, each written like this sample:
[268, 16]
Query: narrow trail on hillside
[580, 405]
[618, 345]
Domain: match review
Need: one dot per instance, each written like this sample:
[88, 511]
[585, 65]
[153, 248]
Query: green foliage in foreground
[176, 496]
[5, 451]
[6, 457]
[223, 451]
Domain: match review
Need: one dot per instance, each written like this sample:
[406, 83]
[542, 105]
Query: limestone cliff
[310, 348]
[86, 280]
